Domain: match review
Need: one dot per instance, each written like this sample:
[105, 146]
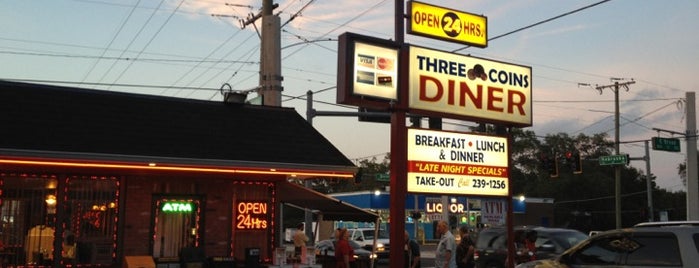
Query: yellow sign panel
[470, 88]
[446, 24]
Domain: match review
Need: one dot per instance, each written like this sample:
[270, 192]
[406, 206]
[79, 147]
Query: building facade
[91, 178]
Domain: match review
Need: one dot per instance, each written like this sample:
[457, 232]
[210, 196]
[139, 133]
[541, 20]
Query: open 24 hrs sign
[442, 162]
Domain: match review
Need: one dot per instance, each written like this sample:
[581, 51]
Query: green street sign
[666, 144]
[382, 177]
[610, 160]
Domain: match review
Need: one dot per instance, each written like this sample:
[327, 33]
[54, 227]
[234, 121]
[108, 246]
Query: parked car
[325, 253]
[491, 244]
[645, 245]
[365, 237]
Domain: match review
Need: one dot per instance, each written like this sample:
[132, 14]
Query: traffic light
[550, 165]
[416, 215]
[574, 161]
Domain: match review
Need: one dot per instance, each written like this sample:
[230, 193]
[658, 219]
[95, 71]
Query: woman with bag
[464, 251]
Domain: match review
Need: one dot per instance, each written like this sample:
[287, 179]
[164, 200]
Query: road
[426, 255]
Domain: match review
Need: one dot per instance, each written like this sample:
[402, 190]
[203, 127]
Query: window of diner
[35, 208]
[27, 218]
[90, 222]
[176, 226]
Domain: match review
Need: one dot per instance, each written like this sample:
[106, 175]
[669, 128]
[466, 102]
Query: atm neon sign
[175, 207]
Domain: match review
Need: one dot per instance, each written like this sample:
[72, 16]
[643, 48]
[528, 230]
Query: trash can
[252, 257]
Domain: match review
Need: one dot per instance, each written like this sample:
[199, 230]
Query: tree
[582, 201]
[369, 168]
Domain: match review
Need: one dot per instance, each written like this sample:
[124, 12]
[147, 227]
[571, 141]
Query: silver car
[672, 244]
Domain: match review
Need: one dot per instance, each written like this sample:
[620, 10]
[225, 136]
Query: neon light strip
[152, 166]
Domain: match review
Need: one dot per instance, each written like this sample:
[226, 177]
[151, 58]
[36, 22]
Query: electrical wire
[539, 23]
[133, 39]
[114, 37]
[150, 41]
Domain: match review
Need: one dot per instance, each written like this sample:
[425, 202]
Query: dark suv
[672, 244]
[491, 244]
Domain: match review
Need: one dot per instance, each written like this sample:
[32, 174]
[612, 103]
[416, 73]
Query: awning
[329, 207]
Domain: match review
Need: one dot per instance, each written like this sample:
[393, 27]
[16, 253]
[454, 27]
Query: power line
[539, 23]
[77, 56]
[104, 51]
[132, 41]
[150, 41]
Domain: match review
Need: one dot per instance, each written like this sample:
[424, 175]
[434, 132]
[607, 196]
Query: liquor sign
[367, 71]
[446, 24]
[463, 87]
[666, 144]
[442, 162]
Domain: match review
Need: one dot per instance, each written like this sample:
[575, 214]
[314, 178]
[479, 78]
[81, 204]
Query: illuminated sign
[446, 24]
[463, 87]
[174, 207]
[368, 71]
[442, 162]
[431, 207]
[251, 216]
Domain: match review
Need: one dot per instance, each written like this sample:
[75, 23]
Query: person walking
[445, 255]
[300, 238]
[412, 252]
[343, 250]
[464, 251]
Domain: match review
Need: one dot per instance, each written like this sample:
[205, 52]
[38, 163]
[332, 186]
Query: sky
[191, 48]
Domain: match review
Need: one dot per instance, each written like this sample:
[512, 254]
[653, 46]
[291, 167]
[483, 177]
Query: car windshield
[369, 234]
[568, 239]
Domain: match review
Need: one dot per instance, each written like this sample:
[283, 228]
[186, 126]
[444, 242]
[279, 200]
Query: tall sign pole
[399, 155]
[692, 180]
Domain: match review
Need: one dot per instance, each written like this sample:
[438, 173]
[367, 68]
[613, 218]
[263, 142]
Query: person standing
[464, 251]
[445, 256]
[342, 249]
[412, 252]
[300, 240]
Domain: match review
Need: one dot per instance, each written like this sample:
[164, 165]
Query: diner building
[94, 177]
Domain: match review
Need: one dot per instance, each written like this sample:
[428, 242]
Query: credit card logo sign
[366, 61]
[386, 81]
[365, 77]
[385, 64]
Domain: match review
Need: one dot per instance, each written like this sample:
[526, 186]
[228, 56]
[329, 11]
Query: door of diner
[175, 225]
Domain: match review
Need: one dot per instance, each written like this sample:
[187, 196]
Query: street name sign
[610, 160]
[666, 144]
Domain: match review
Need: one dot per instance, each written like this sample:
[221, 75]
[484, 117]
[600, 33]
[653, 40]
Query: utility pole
[692, 180]
[649, 188]
[270, 88]
[617, 169]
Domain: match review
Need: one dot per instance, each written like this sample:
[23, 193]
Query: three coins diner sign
[384, 75]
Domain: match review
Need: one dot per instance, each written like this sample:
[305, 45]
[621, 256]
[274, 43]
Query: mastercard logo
[385, 64]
